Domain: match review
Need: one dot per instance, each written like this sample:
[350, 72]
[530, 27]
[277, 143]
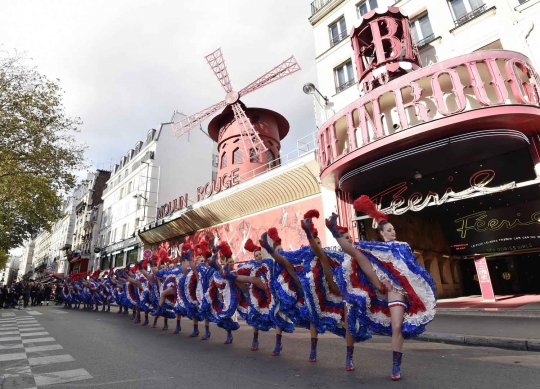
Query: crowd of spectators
[26, 293]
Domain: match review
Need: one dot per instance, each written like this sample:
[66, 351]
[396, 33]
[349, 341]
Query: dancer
[328, 268]
[254, 282]
[411, 291]
[290, 309]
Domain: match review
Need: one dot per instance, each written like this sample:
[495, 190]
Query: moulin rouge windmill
[252, 143]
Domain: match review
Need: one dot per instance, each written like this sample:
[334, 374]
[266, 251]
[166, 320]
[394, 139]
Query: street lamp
[310, 89]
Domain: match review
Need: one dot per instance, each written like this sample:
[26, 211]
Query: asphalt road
[56, 348]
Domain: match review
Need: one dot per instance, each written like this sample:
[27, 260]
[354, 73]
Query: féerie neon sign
[417, 201]
[476, 222]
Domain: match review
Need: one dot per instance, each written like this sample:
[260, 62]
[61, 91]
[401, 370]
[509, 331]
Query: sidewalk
[511, 322]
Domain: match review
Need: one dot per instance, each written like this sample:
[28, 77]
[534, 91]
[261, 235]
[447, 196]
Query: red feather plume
[342, 230]
[251, 247]
[186, 247]
[273, 234]
[311, 214]
[364, 204]
[205, 248]
[163, 254]
[225, 249]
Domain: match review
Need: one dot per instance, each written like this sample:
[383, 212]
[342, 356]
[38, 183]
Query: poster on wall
[497, 230]
[285, 218]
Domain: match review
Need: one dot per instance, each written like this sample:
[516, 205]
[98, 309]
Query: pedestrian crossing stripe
[23, 340]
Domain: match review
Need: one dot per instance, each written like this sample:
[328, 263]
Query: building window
[130, 187]
[365, 6]
[254, 157]
[465, 10]
[270, 158]
[136, 225]
[344, 75]
[223, 160]
[214, 176]
[121, 193]
[523, 1]
[124, 231]
[421, 30]
[237, 156]
[338, 32]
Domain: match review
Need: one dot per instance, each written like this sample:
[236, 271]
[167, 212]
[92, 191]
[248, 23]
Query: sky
[126, 66]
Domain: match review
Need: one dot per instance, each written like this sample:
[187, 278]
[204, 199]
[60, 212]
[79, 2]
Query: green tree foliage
[39, 156]
[3, 258]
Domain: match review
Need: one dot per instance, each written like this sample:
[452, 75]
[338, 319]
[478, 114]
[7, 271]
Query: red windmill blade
[253, 145]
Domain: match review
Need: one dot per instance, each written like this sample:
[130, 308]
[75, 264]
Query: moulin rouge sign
[494, 78]
[228, 180]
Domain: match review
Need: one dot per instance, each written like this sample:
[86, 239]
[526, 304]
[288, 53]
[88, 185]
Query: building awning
[293, 181]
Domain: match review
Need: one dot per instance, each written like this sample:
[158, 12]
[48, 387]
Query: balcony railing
[346, 85]
[471, 15]
[425, 41]
[338, 38]
[317, 5]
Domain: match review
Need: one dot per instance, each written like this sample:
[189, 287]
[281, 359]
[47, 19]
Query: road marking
[38, 340]
[8, 314]
[60, 377]
[58, 311]
[35, 334]
[32, 329]
[25, 318]
[2, 333]
[34, 313]
[7, 328]
[11, 346]
[10, 339]
[12, 357]
[37, 361]
[28, 326]
[38, 349]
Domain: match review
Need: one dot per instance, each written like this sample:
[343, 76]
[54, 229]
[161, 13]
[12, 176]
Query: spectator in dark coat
[47, 293]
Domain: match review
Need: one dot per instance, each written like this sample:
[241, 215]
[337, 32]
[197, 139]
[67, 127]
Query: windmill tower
[239, 141]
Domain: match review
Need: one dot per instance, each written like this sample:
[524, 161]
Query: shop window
[365, 6]
[133, 256]
[338, 32]
[344, 76]
[421, 30]
[237, 156]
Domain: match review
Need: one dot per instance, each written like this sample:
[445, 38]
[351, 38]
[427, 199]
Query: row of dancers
[365, 288]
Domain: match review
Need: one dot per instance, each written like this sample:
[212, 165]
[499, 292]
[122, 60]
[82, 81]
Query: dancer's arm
[319, 253]
[363, 261]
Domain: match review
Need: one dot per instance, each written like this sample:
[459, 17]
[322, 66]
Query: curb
[482, 341]
[489, 312]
